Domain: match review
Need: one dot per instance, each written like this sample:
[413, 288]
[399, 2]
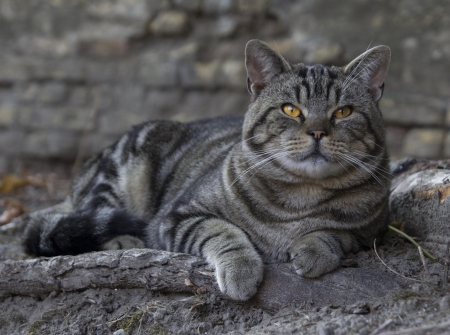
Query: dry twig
[398, 274]
[410, 239]
[424, 262]
[382, 327]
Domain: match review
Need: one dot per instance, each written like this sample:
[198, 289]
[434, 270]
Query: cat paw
[240, 277]
[314, 260]
[122, 242]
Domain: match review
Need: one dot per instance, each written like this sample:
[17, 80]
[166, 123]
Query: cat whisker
[272, 158]
[373, 142]
[364, 166]
[261, 162]
[352, 164]
[373, 158]
[365, 154]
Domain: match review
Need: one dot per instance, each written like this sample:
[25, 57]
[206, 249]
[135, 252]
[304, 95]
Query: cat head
[315, 121]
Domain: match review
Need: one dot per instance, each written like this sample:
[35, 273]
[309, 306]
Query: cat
[302, 177]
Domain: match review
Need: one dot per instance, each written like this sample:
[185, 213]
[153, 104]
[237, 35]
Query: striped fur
[242, 191]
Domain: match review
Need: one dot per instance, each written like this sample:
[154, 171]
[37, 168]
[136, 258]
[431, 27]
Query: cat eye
[291, 110]
[342, 112]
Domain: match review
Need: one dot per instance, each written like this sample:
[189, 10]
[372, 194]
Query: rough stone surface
[421, 202]
[424, 143]
[171, 23]
[412, 113]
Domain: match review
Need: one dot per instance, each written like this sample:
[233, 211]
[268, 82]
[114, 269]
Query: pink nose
[318, 134]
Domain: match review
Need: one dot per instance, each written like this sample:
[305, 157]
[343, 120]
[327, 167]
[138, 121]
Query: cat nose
[317, 134]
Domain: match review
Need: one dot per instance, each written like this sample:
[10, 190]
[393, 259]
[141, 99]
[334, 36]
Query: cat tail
[50, 233]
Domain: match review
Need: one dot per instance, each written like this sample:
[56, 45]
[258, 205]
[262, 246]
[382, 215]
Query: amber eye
[342, 112]
[291, 110]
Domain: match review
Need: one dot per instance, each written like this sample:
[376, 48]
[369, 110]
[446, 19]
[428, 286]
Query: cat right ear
[371, 68]
[262, 63]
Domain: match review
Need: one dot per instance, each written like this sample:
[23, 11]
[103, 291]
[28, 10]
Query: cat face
[315, 121]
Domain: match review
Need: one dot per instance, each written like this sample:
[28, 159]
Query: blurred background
[76, 74]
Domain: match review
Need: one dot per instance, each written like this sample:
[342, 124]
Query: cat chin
[315, 168]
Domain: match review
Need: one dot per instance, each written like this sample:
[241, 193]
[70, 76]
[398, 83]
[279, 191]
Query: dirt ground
[419, 305]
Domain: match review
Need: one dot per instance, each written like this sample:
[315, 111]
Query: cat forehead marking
[317, 82]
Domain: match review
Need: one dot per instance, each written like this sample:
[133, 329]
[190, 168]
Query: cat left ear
[371, 68]
[262, 63]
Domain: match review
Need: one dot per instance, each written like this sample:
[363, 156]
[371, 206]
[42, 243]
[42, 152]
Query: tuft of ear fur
[370, 68]
[262, 63]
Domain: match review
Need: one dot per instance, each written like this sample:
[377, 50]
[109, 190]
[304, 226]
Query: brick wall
[74, 67]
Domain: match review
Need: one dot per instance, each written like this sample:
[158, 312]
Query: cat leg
[320, 252]
[238, 266]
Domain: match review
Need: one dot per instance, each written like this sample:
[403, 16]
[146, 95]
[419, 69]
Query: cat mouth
[315, 156]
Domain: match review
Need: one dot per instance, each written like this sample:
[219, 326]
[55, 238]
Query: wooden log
[167, 272]
[420, 199]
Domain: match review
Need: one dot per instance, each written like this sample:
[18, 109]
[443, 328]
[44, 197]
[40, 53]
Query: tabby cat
[302, 178]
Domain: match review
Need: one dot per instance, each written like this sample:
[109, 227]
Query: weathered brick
[29, 92]
[101, 71]
[104, 30]
[218, 7]
[447, 116]
[44, 69]
[79, 96]
[447, 145]
[52, 144]
[324, 53]
[226, 26]
[252, 7]
[232, 74]
[162, 104]
[157, 70]
[12, 69]
[52, 92]
[198, 105]
[7, 114]
[103, 48]
[130, 9]
[424, 143]
[195, 106]
[102, 96]
[395, 137]
[411, 113]
[115, 123]
[71, 118]
[200, 74]
[96, 142]
[170, 23]
[11, 141]
[46, 46]
[4, 164]
[129, 98]
[191, 5]
[186, 52]
[293, 48]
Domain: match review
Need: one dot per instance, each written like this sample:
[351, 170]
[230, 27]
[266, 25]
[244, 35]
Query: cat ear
[371, 68]
[262, 63]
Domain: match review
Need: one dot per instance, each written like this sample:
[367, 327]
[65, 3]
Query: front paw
[239, 277]
[314, 259]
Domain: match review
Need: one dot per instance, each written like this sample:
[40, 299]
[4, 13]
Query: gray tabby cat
[302, 178]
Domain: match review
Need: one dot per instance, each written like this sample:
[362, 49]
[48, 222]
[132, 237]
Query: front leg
[238, 266]
[320, 252]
